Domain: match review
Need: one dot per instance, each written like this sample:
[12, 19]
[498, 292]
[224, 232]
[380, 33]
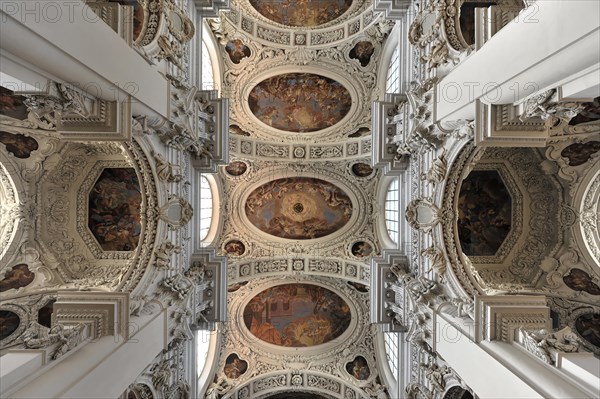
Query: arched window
[208, 79]
[391, 210]
[393, 77]
[206, 206]
[391, 340]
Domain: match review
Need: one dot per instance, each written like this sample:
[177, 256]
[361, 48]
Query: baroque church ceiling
[301, 204]
[299, 194]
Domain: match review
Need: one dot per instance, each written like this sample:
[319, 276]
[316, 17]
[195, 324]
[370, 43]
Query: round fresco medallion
[236, 168]
[9, 322]
[362, 52]
[580, 153]
[588, 326]
[235, 247]
[358, 368]
[361, 249]
[234, 366]
[579, 280]
[20, 146]
[362, 169]
[19, 276]
[297, 315]
[298, 208]
[299, 102]
[590, 113]
[237, 50]
[301, 13]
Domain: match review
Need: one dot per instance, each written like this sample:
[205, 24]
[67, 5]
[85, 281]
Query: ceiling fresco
[9, 322]
[588, 326]
[301, 12]
[580, 153]
[579, 280]
[237, 50]
[590, 113]
[484, 213]
[299, 102]
[298, 208]
[297, 315]
[19, 276]
[362, 52]
[359, 368]
[19, 145]
[12, 105]
[114, 209]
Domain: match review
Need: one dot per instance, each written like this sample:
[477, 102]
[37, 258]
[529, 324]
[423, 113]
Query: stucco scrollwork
[422, 214]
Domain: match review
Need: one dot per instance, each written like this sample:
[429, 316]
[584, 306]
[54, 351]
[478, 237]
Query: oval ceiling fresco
[297, 315]
[299, 102]
[301, 13]
[298, 208]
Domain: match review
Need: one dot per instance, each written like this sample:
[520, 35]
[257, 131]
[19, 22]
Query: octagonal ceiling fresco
[114, 209]
[298, 208]
[301, 13]
[484, 213]
[297, 315]
[299, 102]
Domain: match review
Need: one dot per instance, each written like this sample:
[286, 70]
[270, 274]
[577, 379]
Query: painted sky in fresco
[298, 208]
[301, 12]
[299, 102]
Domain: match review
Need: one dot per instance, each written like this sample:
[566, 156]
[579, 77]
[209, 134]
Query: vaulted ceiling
[299, 194]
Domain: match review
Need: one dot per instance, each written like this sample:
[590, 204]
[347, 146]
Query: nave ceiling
[301, 213]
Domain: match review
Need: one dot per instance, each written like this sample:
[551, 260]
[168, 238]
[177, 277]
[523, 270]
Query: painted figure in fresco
[301, 12]
[9, 322]
[12, 105]
[298, 208]
[234, 366]
[236, 168]
[484, 213]
[590, 113]
[297, 315]
[237, 50]
[114, 209]
[362, 169]
[359, 368]
[588, 326]
[19, 145]
[579, 280]
[19, 276]
[580, 153]
[299, 102]
[361, 249]
[362, 52]
[235, 247]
